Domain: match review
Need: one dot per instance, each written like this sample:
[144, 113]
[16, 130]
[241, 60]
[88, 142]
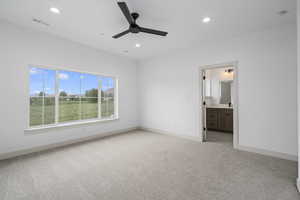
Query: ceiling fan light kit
[133, 27]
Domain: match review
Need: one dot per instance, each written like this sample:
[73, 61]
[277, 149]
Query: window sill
[69, 124]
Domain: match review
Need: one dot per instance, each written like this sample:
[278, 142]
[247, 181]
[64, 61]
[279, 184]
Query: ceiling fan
[133, 27]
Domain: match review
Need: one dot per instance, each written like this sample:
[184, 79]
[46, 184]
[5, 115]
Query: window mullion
[43, 99]
[106, 101]
[99, 97]
[80, 91]
[56, 96]
[116, 98]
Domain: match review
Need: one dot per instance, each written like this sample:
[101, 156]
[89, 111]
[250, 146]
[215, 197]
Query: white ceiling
[85, 21]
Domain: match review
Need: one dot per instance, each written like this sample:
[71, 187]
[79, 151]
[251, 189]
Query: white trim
[61, 125]
[241, 148]
[298, 184]
[158, 131]
[268, 153]
[70, 69]
[234, 65]
[65, 143]
[202, 83]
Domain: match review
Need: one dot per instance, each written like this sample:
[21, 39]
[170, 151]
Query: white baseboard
[298, 184]
[239, 147]
[194, 138]
[65, 143]
[102, 135]
[268, 153]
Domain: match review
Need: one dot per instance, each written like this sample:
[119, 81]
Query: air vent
[282, 12]
[40, 22]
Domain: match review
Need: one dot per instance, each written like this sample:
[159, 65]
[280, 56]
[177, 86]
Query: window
[42, 96]
[107, 97]
[60, 96]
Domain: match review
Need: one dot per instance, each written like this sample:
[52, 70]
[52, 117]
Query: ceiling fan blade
[126, 12]
[121, 34]
[152, 31]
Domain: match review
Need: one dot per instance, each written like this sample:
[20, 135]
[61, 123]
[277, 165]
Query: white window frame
[75, 122]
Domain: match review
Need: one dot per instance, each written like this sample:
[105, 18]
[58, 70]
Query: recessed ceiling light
[55, 10]
[137, 45]
[206, 20]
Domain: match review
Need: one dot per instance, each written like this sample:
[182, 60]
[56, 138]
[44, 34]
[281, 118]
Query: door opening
[219, 103]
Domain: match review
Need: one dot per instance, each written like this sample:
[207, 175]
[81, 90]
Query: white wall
[168, 92]
[298, 75]
[21, 47]
[267, 88]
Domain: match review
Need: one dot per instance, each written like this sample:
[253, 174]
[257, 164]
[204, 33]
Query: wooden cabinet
[219, 119]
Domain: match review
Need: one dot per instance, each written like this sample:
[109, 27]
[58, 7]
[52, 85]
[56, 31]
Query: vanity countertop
[219, 106]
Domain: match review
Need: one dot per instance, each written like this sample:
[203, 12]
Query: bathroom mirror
[225, 92]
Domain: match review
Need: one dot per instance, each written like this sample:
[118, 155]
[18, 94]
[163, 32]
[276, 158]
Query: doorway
[219, 103]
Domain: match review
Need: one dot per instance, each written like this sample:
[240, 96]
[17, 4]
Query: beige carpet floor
[141, 165]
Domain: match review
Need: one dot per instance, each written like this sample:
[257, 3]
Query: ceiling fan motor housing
[134, 28]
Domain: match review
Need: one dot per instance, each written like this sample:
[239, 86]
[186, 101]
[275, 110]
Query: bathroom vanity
[219, 118]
